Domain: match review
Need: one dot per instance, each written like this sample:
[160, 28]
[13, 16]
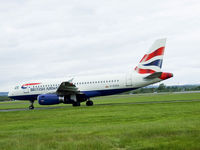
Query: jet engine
[50, 99]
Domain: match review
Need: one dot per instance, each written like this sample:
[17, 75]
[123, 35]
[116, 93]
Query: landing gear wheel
[31, 107]
[89, 103]
[75, 104]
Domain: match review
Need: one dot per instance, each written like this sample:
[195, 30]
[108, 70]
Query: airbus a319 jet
[80, 89]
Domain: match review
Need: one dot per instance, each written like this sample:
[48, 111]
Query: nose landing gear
[31, 106]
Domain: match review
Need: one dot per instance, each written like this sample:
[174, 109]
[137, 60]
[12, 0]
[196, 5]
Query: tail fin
[152, 61]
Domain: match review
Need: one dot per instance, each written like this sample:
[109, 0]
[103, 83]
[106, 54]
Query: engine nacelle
[49, 99]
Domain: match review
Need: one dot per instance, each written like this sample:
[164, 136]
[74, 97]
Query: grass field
[118, 125]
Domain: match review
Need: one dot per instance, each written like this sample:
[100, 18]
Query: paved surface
[154, 102]
[130, 103]
[26, 109]
[11, 103]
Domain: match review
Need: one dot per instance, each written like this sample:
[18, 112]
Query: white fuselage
[91, 86]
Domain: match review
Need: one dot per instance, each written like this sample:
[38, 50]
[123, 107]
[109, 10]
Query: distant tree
[4, 98]
[161, 87]
[164, 88]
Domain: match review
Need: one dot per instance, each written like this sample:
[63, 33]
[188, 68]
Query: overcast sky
[42, 39]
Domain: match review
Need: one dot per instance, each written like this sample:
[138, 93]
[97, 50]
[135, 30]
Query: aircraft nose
[9, 93]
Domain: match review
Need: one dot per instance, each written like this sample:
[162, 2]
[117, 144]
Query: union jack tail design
[152, 61]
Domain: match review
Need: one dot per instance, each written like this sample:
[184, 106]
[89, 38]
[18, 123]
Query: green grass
[118, 127]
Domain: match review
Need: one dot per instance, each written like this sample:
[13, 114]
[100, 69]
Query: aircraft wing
[67, 88]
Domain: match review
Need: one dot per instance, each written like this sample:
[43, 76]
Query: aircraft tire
[89, 103]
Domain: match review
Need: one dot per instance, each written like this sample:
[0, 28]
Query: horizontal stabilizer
[154, 75]
[161, 75]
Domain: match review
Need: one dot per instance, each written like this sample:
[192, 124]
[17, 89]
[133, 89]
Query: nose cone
[166, 75]
[9, 94]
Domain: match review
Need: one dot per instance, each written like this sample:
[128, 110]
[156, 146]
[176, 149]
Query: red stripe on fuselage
[157, 52]
[30, 84]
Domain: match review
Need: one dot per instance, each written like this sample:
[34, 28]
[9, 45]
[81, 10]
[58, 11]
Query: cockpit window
[17, 87]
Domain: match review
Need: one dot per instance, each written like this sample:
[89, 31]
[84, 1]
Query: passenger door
[129, 79]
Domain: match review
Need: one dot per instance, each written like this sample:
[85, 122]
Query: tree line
[163, 88]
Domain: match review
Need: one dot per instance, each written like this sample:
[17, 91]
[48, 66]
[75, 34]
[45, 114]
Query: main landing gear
[75, 101]
[76, 104]
[31, 106]
[89, 103]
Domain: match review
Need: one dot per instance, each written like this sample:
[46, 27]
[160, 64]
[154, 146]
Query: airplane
[80, 89]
